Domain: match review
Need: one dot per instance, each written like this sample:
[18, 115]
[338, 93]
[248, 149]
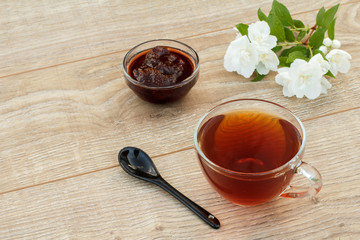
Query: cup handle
[312, 175]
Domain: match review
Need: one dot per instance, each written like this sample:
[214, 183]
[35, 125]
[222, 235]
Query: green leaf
[259, 77]
[303, 49]
[261, 15]
[319, 16]
[298, 23]
[242, 28]
[289, 35]
[329, 15]
[301, 35]
[330, 74]
[276, 49]
[282, 13]
[317, 38]
[331, 29]
[276, 27]
[283, 63]
[296, 55]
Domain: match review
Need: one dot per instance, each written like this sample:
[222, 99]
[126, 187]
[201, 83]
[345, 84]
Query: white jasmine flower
[339, 61]
[325, 85]
[318, 58]
[324, 49]
[327, 42]
[241, 56]
[335, 44]
[267, 61]
[283, 79]
[259, 34]
[302, 79]
[247, 53]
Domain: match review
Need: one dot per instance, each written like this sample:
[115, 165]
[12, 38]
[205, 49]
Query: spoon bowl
[137, 163]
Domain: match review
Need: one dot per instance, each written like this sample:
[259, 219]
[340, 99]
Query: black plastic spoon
[138, 164]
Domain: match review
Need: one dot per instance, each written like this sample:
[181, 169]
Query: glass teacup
[250, 149]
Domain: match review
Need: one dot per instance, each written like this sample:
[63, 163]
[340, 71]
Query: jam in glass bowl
[161, 70]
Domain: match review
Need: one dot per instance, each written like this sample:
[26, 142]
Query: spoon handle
[201, 212]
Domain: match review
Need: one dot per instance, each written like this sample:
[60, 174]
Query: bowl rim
[293, 162]
[179, 84]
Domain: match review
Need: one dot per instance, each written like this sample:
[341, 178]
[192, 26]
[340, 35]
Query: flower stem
[312, 31]
[285, 44]
[311, 52]
[295, 29]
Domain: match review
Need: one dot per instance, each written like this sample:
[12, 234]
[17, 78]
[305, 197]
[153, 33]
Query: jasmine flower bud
[323, 49]
[335, 44]
[327, 42]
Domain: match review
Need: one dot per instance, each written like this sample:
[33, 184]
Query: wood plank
[44, 33]
[100, 205]
[65, 112]
[71, 119]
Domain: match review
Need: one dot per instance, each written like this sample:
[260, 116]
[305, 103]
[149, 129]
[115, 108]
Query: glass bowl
[161, 94]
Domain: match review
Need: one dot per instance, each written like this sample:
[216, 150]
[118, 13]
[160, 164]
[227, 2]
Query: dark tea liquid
[248, 142]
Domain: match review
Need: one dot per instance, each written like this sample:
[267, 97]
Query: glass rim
[279, 169]
[179, 84]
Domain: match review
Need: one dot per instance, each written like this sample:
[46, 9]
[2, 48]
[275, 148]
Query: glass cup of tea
[250, 149]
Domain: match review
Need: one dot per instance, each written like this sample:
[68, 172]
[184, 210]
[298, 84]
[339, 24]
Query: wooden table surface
[65, 112]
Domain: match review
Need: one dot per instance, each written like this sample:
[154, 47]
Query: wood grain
[43, 33]
[73, 118]
[101, 205]
[65, 112]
